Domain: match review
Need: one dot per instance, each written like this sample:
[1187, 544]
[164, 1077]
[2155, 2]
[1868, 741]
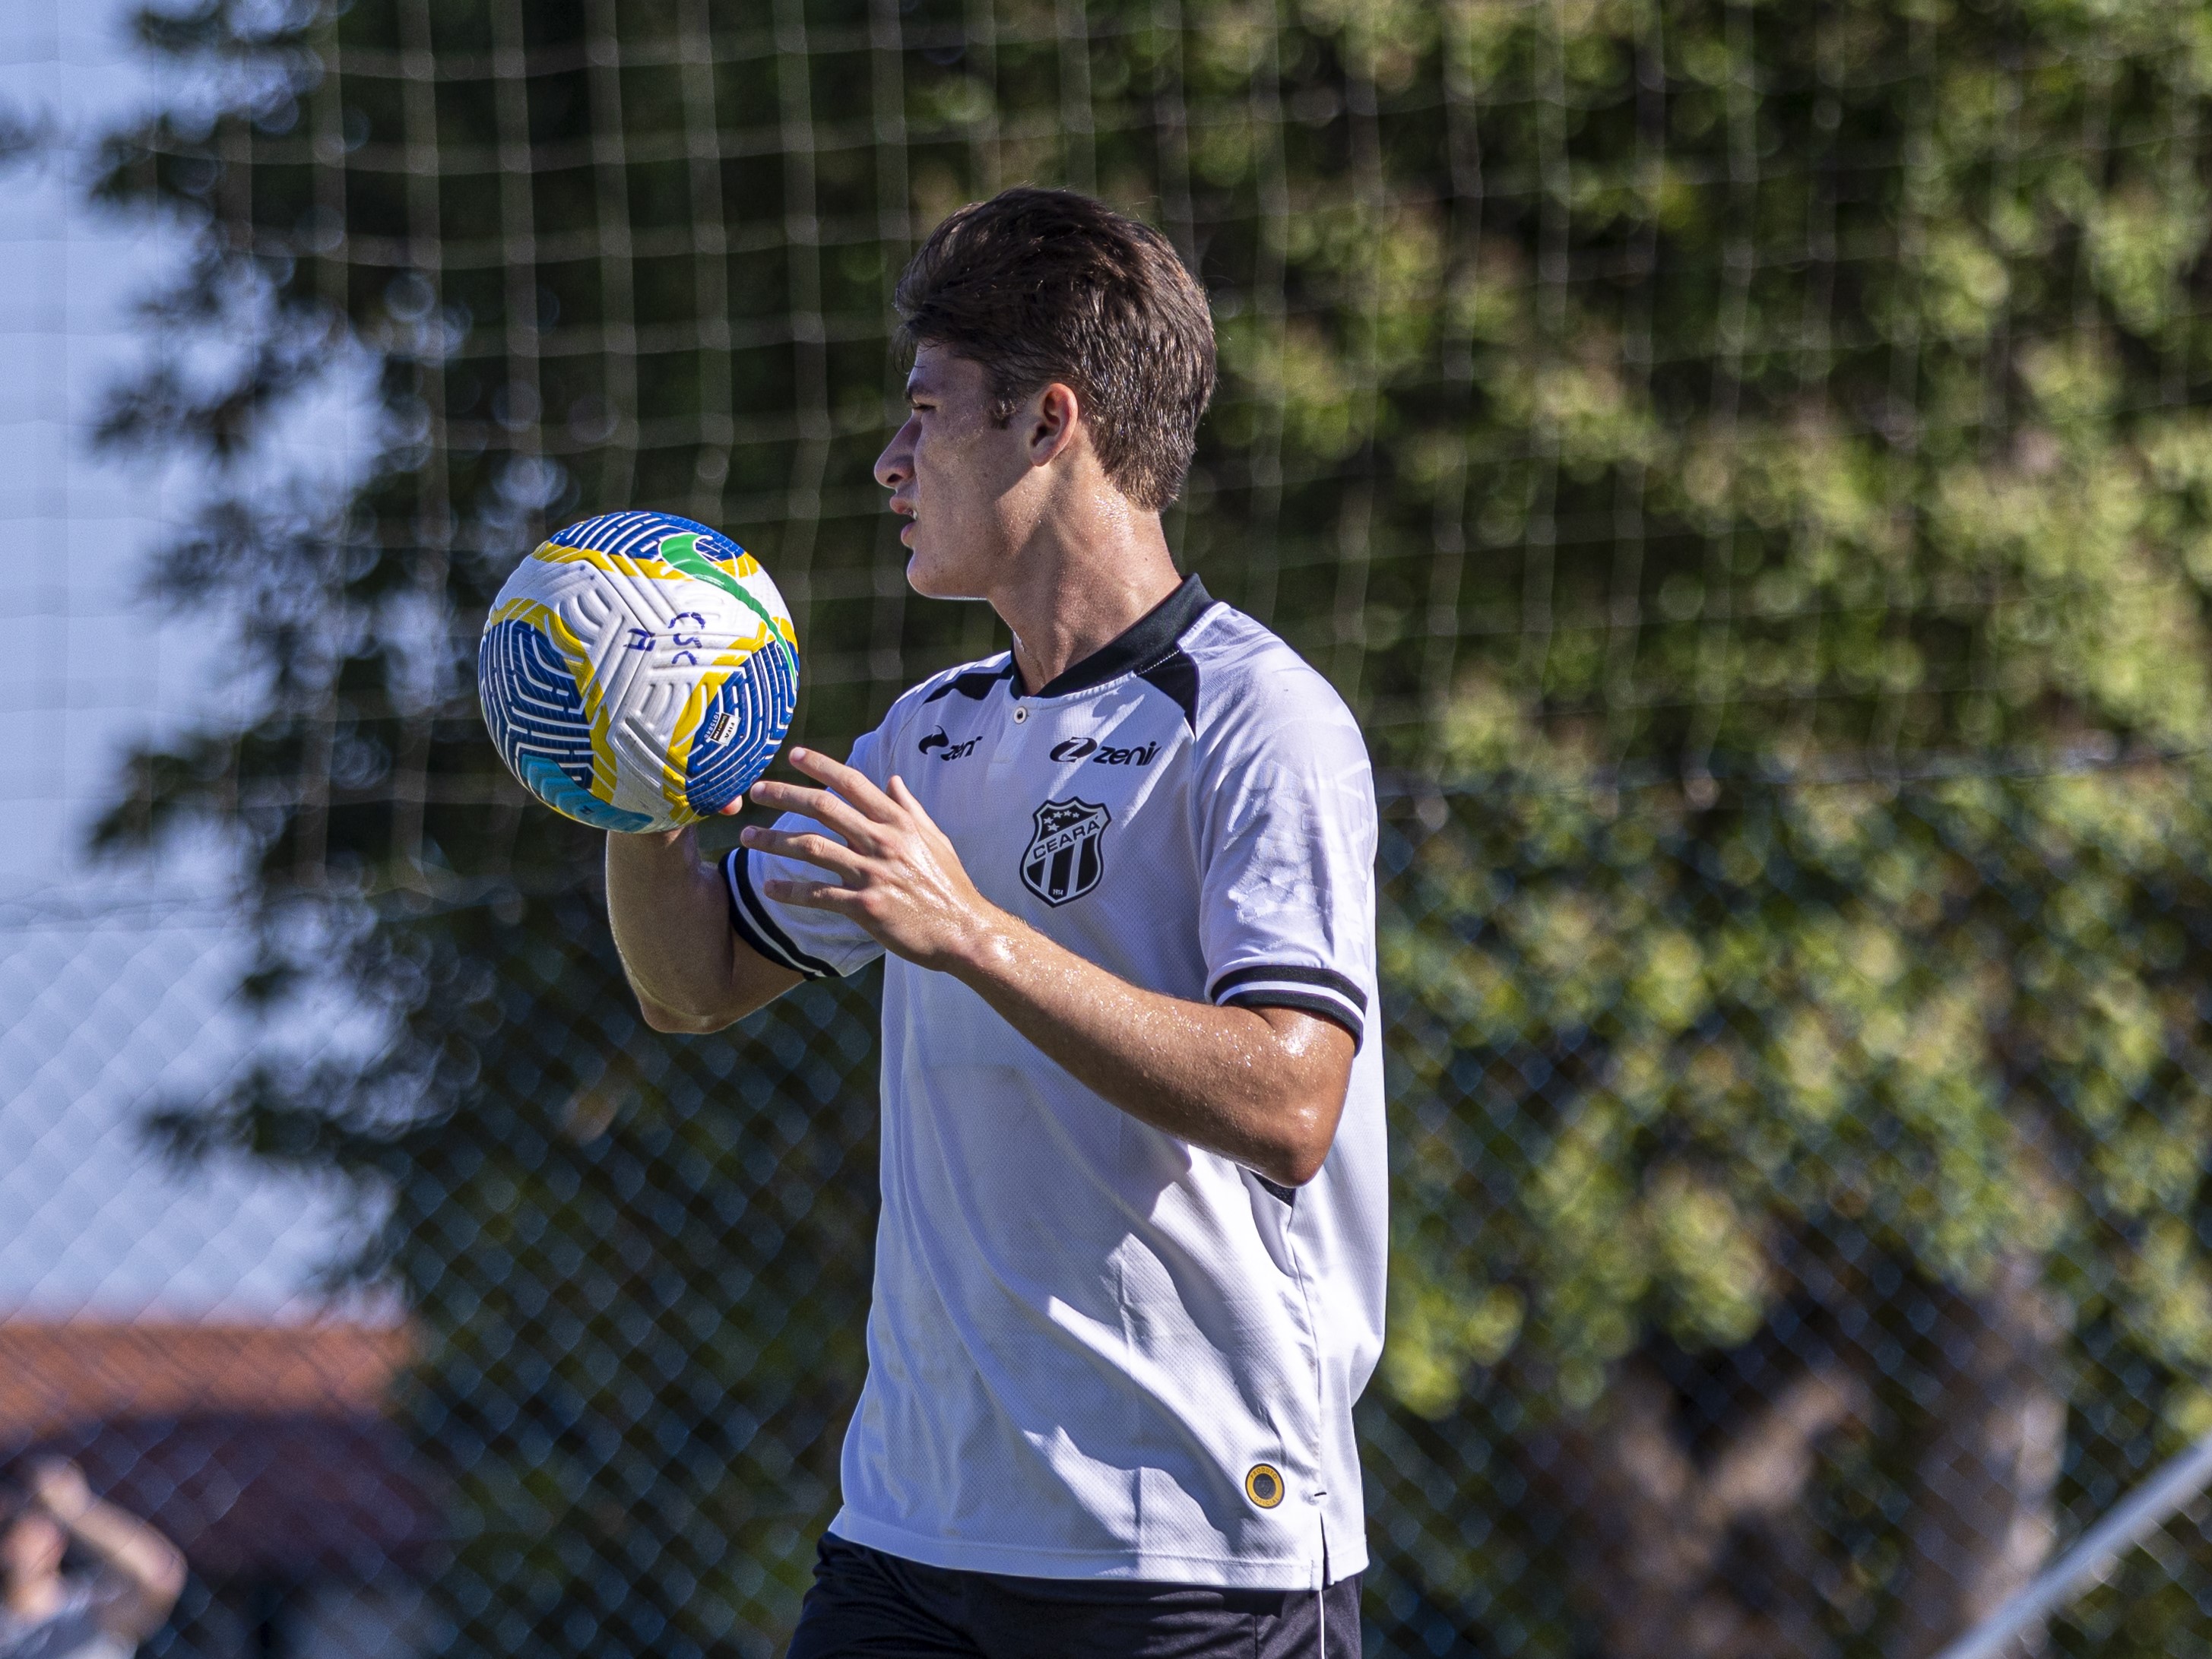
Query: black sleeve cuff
[1311, 990]
[751, 920]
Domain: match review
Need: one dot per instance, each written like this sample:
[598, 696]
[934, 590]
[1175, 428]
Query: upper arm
[1286, 838]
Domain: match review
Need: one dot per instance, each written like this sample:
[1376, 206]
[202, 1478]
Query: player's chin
[932, 577]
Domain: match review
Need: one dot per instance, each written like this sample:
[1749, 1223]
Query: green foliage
[1830, 414]
[1815, 403]
[636, 1269]
[1618, 395]
[633, 1264]
[1719, 1079]
[1669, 1068]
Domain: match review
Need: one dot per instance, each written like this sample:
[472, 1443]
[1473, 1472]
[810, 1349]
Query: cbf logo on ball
[638, 672]
[1068, 855]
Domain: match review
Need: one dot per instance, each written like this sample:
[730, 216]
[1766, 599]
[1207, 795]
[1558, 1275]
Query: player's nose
[894, 466]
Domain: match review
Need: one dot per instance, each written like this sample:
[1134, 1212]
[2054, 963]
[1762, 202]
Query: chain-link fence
[1799, 1237]
[1746, 465]
[1798, 1205]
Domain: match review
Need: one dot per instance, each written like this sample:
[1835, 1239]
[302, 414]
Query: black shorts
[867, 1604]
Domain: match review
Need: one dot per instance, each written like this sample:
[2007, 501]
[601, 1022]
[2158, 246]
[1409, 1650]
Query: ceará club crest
[1066, 855]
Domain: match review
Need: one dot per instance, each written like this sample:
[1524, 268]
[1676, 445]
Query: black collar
[1140, 645]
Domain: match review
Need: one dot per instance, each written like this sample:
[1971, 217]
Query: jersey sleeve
[1287, 844]
[817, 944]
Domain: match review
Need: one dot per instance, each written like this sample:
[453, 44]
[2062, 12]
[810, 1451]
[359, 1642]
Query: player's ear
[1052, 428]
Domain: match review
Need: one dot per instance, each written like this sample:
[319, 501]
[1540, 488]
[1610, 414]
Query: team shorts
[867, 1604]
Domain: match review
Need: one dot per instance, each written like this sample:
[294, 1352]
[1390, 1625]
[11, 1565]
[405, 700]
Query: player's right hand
[896, 872]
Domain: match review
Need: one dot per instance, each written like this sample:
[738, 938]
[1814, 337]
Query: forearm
[155, 1567]
[1263, 1086]
[1256, 1087]
[670, 922]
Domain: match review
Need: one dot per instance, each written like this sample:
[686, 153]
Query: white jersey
[1096, 1349]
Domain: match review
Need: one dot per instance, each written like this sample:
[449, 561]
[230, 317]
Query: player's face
[954, 473]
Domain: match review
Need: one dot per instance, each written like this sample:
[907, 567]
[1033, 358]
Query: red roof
[263, 1450]
[55, 1375]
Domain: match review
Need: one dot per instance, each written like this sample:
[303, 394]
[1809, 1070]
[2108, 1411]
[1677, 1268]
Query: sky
[113, 978]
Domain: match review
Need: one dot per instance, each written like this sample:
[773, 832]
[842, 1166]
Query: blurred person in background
[45, 1613]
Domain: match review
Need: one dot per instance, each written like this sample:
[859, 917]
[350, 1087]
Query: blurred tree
[1830, 399]
[1841, 1108]
[1623, 399]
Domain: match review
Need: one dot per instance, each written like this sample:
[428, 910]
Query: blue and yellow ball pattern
[638, 672]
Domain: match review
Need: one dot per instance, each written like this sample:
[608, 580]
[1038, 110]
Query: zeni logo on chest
[1078, 748]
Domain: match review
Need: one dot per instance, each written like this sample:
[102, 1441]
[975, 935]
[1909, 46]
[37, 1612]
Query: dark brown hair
[1043, 285]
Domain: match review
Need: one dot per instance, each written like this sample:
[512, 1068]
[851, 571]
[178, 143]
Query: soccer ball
[638, 672]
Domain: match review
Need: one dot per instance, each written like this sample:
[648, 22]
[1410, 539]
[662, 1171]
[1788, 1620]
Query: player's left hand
[896, 874]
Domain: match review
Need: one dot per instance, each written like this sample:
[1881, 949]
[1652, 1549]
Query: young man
[1129, 1270]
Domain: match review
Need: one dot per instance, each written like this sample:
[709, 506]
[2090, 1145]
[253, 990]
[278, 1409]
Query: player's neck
[1080, 583]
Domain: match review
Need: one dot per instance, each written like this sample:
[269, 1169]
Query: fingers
[823, 807]
[732, 808]
[908, 802]
[853, 785]
[807, 847]
[814, 895]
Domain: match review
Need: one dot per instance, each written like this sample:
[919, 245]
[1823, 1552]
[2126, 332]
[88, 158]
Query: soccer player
[1129, 1270]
